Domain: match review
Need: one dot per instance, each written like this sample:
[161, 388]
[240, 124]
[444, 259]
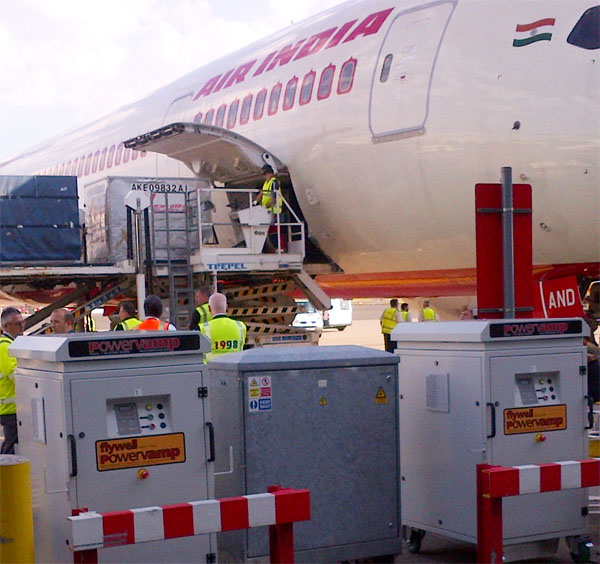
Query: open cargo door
[219, 154]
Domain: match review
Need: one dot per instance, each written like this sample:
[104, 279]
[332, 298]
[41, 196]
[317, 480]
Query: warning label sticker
[380, 396]
[323, 401]
[115, 454]
[260, 393]
[535, 419]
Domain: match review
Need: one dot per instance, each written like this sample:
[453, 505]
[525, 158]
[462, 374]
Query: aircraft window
[126, 153]
[245, 113]
[586, 33]
[209, 117]
[74, 167]
[385, 69]
[274, 98]
[307, 88]
[290, 93]
[81, 166]
[198, 118]
[102, 159]
[326, 82]
[259, 106]
[346, 79]
[88, 164]
[95, 161]
[134, 154]
[232, 115]
[118, 154]
[61, 168]
[220, 115]
[111, 154]
[143, 154]
[67, 167]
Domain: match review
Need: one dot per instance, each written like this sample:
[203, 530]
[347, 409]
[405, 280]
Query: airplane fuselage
[412, 103]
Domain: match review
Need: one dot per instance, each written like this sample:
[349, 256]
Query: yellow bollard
[16, 512]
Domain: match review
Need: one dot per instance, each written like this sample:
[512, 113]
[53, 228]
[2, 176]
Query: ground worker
[127, 318]
[427, 313]
[268, 196]
[12, 325]
[153, 309]
[225, 334]
[202, 312]
[389, 318]
[62, 321]
[404, 313]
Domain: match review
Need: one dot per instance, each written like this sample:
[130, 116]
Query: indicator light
[540, 438]
[149, 407]
[161, 415]
[551, 389]
[163, 425]
[152, 426]
[553, 396]
[143, 474]
[541, 380]
[150, 417]
[159, 406]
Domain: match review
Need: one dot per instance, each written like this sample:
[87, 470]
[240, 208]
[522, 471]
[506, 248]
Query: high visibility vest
[8, 364]
[153, 324]
[128, 324]
[204, 313]
[404, 315]
[226, 335]
[428, 314]
[269, 200]
[388, 320]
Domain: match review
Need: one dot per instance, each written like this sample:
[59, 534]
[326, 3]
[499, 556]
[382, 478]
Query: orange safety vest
[153, 324]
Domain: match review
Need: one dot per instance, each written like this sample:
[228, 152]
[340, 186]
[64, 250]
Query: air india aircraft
[383, 115]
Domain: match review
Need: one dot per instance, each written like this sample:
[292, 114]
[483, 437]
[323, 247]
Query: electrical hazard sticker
[323, 401]
[535, 419]
[115, 454]
[380, 396]
[260, 394]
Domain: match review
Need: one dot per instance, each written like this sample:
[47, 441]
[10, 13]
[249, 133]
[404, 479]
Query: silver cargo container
[106, 217]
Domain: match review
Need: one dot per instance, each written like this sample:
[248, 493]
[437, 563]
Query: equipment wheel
[413, 540]
[341, 328]
[579, 549]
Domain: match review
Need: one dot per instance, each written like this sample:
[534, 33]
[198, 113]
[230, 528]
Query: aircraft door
[175, 113]
[402, 79]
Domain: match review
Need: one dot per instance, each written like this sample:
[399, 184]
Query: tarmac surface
[365, 331]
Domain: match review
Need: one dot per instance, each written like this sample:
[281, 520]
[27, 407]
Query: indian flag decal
[534, 31]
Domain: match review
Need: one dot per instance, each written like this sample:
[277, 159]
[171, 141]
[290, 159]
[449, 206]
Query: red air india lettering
[315, 43]
[370, 25]
[299, 50]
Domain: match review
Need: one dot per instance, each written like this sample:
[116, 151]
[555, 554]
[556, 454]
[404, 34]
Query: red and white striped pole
[496, 482]
[278, 509]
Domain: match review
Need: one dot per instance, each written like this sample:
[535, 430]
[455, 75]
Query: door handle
[73, 447]
[493, 413]
[211, 441]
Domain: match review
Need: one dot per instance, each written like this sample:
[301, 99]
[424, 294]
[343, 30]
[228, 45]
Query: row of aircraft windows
[107, 158]
[271, 100]
[93, 162]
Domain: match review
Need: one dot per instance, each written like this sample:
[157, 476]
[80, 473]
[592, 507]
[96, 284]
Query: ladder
[174, 219]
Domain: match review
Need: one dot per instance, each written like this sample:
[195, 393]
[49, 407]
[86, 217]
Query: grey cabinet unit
[321, 418]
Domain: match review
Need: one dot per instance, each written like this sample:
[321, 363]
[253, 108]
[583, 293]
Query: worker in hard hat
[226, 335]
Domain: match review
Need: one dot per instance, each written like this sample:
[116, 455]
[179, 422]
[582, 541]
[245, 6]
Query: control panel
[138, 416]
[539, 388]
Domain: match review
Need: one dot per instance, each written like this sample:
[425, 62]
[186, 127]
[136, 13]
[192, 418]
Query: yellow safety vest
[388, 320]
[225, 334]
[204, 313]
[404, 315]
[269, 200]
[428, 314]
[8, 364]
[128, 324]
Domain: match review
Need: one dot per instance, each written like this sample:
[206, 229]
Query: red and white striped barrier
[280, 507]
[496, 482]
